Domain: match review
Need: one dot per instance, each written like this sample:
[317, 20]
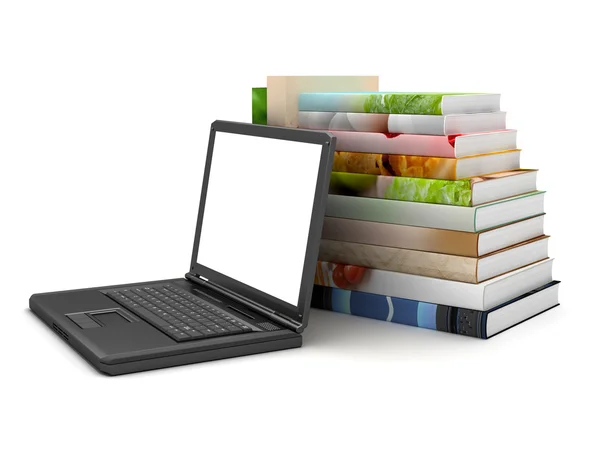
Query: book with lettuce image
[425, 166]
[466, 192]
[426, 103]
[259, 106]
[463, 321]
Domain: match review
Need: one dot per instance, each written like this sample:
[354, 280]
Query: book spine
[466, 322]
[424, 190]
[437, 265]
[398, 144]
[401, 236]
[375, 123]
[428, 215]
[375, 102]
[259, 106]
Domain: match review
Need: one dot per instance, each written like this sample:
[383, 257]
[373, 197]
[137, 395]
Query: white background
[105, 110]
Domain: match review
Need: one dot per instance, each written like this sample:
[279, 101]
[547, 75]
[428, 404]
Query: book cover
[434, 240]
[282, 93]
[427, 103]
[311, 120]
[481, 296]
[445, 125]
[419, 166]
[437, 265]
[433, 215]
[463, 321]
[452, 146]
[259, 106]
[424, 190]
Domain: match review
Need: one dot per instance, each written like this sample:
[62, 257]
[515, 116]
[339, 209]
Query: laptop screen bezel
[300, 312]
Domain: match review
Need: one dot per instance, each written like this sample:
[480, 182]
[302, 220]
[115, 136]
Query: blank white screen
[258, 210]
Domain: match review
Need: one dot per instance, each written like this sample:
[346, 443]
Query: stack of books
[430, 220]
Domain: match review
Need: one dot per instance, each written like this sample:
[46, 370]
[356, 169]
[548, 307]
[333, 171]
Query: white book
[315, 120]
[426, 145]
[446, 125]
[481, 297]
[432, 239]
[436, 265]
[459, 218]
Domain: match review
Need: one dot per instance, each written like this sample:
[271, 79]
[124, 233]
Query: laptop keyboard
[178, 313]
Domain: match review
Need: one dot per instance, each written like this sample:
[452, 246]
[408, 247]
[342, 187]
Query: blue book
[467, 322]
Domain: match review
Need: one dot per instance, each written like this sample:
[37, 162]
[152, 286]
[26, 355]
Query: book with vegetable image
[463, 321]
[425, 166]
[468, 192]
[437, 265]
[428, 103]
[432, 239]
[448, 125]
[480, 296]
[314, 120]
[432, 215]
[453, 146]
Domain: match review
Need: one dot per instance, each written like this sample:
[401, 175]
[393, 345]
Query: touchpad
[110, 318]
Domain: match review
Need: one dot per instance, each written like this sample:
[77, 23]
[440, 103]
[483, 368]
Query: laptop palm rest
[101, 318]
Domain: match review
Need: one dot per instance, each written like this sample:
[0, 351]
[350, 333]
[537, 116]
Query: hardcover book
[259, 106]
[454, 146]
[426, 166]
[434, 240]
[446, 125]
[468, 192]
[428, 103]
[466, 322]
[430, 215]
[282, 93]
[375, 123]
[481, 296]
[437, 265]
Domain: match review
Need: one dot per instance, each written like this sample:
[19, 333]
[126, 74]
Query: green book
[259, 106]
[466, 192]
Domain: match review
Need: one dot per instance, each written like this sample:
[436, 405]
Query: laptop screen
[258, 211]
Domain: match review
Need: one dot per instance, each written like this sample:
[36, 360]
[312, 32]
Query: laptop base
[138, 346]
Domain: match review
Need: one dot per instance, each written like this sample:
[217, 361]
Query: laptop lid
[260, 218]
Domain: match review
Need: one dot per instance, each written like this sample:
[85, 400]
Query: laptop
[249, 284]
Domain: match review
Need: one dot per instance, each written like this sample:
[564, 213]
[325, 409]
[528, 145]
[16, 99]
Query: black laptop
[249, 284]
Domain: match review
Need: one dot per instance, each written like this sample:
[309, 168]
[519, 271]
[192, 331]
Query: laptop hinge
[254, 306]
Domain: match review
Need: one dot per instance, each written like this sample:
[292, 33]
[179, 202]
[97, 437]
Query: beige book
[282, 93]
[437, 265]
[462, 243]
